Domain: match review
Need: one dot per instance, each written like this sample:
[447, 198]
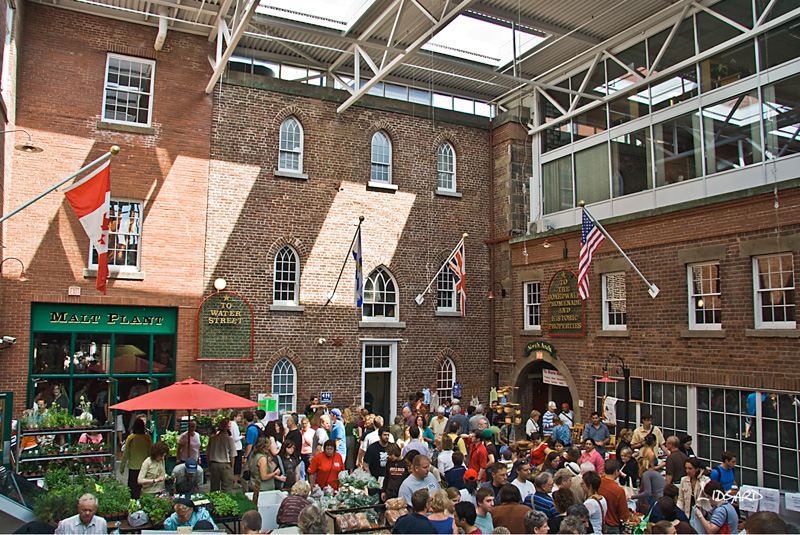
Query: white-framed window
[380, 296]
[446, 165]
[128, 92]
[615, 316]
[286, 280]
[446, 290]
[381, 159]
[379, 377]
[290, 153]
[705, 298]
[124, 236]
[284, 379]
[533, 305]
[445, 379]
[773, 285]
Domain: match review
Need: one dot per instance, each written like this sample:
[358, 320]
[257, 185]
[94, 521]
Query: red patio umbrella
[189, 395]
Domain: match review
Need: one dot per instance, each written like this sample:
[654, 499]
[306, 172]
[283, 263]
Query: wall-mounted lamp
[502, 291]
[220, 284]
[22, 276]
[547, 244]
[28, 147]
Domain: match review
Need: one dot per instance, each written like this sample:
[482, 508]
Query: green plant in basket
[112, 496]
[157, 507]
[224, 505]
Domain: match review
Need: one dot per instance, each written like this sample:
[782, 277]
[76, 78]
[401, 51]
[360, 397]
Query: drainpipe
[491, 245]
[163, 13]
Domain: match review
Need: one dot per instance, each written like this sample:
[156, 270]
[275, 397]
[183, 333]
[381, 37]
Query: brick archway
[526, 365]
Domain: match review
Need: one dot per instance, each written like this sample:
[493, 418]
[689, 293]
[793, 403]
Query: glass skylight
[335, 14]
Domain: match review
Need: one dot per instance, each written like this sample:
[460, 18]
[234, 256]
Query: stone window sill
[448, 193]
[287, 308]
[381, 324]
[613, 334]
[115, 274]
[291, 174]
[772, 333]
[694, 333]
[448, 313]
[127, 128]
[382, 185]
[530, 332]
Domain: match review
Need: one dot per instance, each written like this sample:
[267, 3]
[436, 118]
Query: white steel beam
[654, 66]
[416, 45]
[367, 33]
[723, 18]
[244, 16]
[223, 10]
[531, 22]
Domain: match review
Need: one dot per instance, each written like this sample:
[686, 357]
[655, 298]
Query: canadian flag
[90, 198]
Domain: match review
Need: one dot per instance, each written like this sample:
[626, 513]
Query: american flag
[591, 238]
[456, 264]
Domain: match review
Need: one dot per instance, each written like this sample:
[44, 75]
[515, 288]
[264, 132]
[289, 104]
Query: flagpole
[419, 299]
[113, 151]
[652, 288]
[330, 296]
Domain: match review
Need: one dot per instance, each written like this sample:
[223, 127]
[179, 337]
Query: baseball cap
[440, 409]
[337, 412]
[565, 404]
[470, 475]
[574, 468]
[185, 501]
[191, 466]
[551, 404]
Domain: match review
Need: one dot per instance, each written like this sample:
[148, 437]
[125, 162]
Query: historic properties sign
[564, 305]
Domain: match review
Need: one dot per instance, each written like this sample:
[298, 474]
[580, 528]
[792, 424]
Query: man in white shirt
[85, 521]
[189, 444]
[567, 417]
[439, 423]
[525, 486]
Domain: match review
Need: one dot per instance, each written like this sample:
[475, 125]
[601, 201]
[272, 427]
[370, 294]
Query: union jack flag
[591, 238]
[457, 265]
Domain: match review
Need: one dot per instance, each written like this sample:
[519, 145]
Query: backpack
[261, 431]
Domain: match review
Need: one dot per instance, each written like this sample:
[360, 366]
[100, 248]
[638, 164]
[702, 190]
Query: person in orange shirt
[618, 511]
[325, 467]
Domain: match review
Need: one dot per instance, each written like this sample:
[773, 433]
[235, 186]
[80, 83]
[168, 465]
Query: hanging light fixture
[606, 378]
[29, 146]
[22, 276]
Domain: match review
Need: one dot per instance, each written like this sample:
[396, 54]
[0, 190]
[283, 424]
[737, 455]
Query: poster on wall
[269, 404]
[610, 410]
[553, 377]
[564, 305]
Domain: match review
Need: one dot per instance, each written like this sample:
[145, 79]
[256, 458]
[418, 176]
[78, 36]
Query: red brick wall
[59, 101]
[655, 349]
[411, 231]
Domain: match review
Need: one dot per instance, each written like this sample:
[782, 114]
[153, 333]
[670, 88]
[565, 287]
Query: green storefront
[101, 354]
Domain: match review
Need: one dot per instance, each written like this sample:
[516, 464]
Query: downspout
[491, 246]
[163, 13]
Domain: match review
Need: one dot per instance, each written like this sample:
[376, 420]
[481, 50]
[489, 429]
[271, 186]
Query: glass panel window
[556, 136]
[631, 163]
[781, 118]
[128, 90]
[533, 305]
[778, 45]
[51, 353]
[283, 381]
[132, 354]
[591, 174]
[680, 87]
[377, 356]
[381, 159]
[774, 291]
[733, 133]
[678, 149]
[290, 155]
[557, 184]
[124, 232]
[729, 66]
[163, 353]
[593, 121]
[380, 296]
[445, 379]
[619, 78]
[631, 105]
[446, 165]
[680, 48]
[559, 135]
[446, 290]
[705, 298]
[615, 315]
[287, 277]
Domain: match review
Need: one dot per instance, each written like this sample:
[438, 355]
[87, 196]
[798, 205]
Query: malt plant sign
[564, 305]
[225, 328]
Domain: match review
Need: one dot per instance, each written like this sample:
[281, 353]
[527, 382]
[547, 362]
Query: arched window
[290, 154]
[381, 159]
[283, 381]
[446, 158]
[286, 282]
[445, 379]
[380, 296]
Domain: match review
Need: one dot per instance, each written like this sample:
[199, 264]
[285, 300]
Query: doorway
[379, 378]
[377, 397]
[535, 393]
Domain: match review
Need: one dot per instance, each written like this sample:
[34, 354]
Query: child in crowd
[396, 471]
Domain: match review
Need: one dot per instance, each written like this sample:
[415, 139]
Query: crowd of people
[458, 470]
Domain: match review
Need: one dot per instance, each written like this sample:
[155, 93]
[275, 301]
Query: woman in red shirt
[325, 467]
[538, 449]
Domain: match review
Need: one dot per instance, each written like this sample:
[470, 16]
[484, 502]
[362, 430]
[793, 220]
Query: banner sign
[564, 305]
[540, 346]
[552, 377]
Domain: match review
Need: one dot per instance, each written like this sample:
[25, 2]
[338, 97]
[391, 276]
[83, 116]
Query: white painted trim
[143, 61]
[392, 369]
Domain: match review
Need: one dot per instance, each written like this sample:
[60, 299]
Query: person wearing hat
[438, 423]
[188, 476]
[567, 417]
[470, 489]
[338, 432]
[186, 515]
